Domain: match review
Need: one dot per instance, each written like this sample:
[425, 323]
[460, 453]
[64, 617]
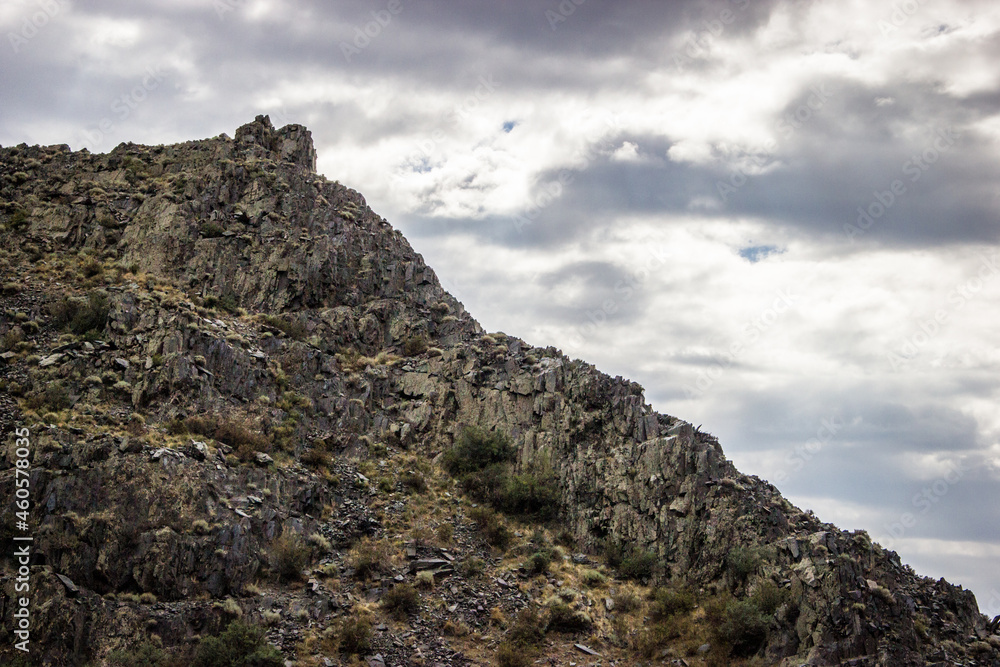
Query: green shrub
[291, 328]
[513, 656]
[476, 449]
[534, 494]
[401, 600]
[146, 654]
[742, 562]
[528, 628]
[538, 563]
[19, 219]
[593, 578]
[563, 619]
[354, 635]
[211, 230]
[369, 557]
[483, 461]
[670, 600]
[415, 346]
[79, 316]
[413, 482]
[769, 597]
[240, 645]
[637, 564]
[289, 555]
[491, 526]
[472, 567]
[743, 627]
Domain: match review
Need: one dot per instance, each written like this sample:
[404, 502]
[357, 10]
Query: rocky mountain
[257, 431]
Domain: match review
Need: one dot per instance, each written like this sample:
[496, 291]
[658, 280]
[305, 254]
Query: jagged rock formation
[328, 333]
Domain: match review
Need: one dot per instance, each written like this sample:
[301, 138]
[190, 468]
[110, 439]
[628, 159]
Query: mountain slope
[224, 359]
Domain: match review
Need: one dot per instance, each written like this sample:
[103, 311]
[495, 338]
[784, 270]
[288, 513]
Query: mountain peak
[292, 143]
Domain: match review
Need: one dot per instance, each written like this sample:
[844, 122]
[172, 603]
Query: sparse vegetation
[369, 557]
[401, 600]
[671, 600]
[81, 316]
[147, 654]
[292, 328]
[289, 554]
[483, 462]
[354, 634]
[491, 526]
[239, 644]
[741, 562]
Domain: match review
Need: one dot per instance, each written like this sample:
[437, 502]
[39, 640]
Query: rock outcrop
[244, 295]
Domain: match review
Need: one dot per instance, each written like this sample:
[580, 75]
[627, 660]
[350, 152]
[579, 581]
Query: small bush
[401, 601]
[668, 601]
[79, 316]
[354, 635]
[413, 482]
[509, 655]
[239, 644]
[538, 563]
[528, 629]
[368, 558]
[315, 457]
[472, 567]
[211, 230]
[563, 619]
[743, 627]
[19, 219]
[491, 526]
[638, 564]
[742, 562]
[289, 555]
[415, 346]
[769, 597]
[244, 440]
[626, 600]
[146, 654]
[291, 328]
[476, 449]
[534, 494]
[593, 578]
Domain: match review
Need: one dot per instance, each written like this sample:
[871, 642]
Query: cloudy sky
[779, 216]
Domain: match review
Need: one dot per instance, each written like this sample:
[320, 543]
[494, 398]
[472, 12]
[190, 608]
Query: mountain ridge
[241, 285]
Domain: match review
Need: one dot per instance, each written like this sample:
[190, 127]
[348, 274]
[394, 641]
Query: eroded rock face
[246, 223]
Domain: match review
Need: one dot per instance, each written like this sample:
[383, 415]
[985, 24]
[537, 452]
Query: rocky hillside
[260, 432]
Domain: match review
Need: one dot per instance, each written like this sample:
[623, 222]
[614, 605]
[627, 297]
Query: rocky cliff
[224, 358]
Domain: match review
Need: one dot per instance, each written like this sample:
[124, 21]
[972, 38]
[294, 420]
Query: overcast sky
[780, 217]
